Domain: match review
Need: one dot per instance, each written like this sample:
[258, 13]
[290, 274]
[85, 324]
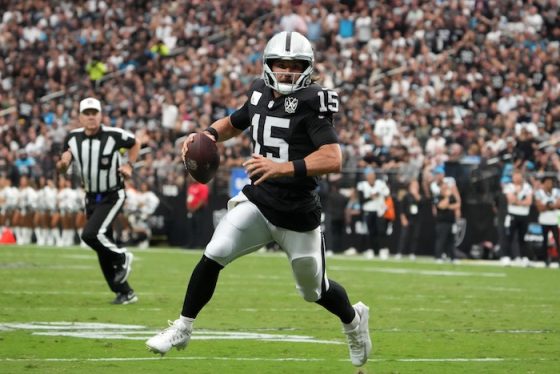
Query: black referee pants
[101, 211]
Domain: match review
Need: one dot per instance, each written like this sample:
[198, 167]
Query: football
[202, 159]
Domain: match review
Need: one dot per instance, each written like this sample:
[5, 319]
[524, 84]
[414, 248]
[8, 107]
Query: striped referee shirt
[98, 156]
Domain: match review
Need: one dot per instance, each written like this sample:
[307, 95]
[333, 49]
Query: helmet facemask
[288, 46]
[287, 86]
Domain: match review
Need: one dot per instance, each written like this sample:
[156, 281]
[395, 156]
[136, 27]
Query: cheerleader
[26, 206]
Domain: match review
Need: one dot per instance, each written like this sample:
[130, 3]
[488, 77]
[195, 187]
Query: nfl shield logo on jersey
[290, 105]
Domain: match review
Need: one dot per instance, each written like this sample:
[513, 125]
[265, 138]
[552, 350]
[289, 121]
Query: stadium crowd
[422, 83]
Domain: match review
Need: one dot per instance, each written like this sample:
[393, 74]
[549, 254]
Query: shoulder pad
[321, 100]
[257, 84]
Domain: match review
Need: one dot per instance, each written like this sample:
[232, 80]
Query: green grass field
[55, 317]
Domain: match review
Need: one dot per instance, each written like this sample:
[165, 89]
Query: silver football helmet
[288, 46]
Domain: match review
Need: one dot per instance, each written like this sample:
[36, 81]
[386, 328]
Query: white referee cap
[90, 103]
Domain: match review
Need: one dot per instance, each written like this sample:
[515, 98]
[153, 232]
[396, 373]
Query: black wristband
[300, 169]
[212, 131]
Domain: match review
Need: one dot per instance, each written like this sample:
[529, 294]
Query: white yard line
[266, 359]
[445, 273]
[466, 331]
[102, 293]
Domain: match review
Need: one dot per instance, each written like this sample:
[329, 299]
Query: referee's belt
[98, 196]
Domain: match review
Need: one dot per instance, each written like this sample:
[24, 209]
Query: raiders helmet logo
[290, 105]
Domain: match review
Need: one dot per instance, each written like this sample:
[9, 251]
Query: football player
[290, 119]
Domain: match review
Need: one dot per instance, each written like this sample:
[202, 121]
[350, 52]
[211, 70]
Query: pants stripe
[101, 234]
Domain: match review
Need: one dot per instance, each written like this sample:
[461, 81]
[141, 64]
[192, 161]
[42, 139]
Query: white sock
[39, 236]
[19, 234]
[27, 232]
[188, 322]
[44, 235]
[50, 240]
[352, 325]
[82, 243]
[67, 239]
[57, 237]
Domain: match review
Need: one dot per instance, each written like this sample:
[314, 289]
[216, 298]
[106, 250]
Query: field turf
[56, 316]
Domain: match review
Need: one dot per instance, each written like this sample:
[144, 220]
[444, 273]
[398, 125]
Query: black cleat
[125, 298]
[123, 271]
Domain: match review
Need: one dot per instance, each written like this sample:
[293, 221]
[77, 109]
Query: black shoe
[125, 298]
[123, 271]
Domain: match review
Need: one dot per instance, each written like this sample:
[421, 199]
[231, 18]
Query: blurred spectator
[160, 49]
[476, 73]
[373, 192]
[386, 129]
[96, 69]
[356, 228]
[197, 202]
[335, 217]
[25, 164]
[435, 143]
[519, 195]
[547, 200]
[410, 221]
[445, 207]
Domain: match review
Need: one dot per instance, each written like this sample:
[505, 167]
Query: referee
[96, 149]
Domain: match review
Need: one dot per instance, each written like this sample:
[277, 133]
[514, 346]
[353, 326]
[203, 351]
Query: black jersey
[288, 128]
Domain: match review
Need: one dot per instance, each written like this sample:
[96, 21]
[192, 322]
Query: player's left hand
[263, 168]
[126, 171]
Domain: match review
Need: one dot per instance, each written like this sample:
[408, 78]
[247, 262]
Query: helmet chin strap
[287, 88]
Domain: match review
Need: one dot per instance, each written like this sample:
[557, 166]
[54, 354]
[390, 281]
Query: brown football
[202, 158]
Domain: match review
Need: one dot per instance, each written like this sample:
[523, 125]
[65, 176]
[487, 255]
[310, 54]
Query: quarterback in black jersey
[290, 120]
[288, 128]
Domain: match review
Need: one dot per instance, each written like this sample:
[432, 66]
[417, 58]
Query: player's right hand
[188, 140]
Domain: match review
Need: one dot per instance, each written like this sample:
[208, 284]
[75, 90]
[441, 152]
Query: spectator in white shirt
[363, 27]
[547, 200]
[435, 142]
[386, 128]
[508, 102]
[496, 143]
[373, 192]
[533, 20]
[519, 195]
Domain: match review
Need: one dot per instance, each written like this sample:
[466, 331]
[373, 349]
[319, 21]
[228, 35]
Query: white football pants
[244, 229]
